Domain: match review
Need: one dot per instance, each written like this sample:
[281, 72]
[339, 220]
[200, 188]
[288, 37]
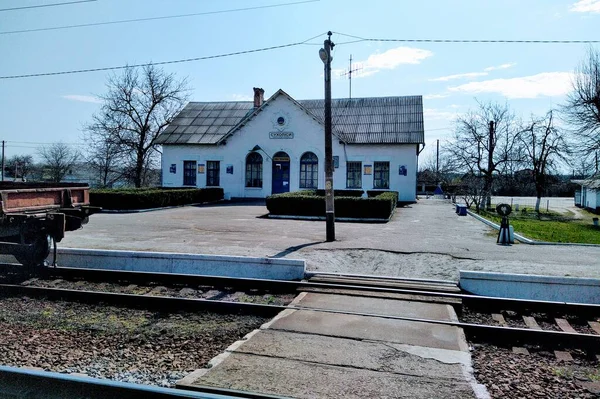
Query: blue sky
[531, 78]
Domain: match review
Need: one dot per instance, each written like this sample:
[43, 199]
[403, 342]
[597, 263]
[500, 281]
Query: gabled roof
[373, 120]
[591, 182]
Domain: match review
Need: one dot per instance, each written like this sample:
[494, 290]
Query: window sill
[253, 188]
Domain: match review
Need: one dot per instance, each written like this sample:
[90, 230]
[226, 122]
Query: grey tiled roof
[371, 120]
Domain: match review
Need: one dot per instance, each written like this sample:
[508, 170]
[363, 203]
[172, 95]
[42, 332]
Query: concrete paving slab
[372, 328]
[380, 306]
[371, 355]
[311, 380]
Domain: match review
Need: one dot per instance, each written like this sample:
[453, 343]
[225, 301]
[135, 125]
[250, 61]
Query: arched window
[309, 170]
[254, 165]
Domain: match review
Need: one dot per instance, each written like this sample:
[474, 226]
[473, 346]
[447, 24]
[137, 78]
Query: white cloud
[547, 84]
[586, 6]
[241, 97]
[437, 114]
[435, 96]
[82, 98]
[458, 76]
[503, 66]
[390, 59]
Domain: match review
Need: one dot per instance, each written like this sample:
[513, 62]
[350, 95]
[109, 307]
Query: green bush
[146, 198]
[304, 204]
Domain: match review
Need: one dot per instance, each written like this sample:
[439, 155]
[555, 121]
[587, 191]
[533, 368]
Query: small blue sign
[173, 168]
[402, 170]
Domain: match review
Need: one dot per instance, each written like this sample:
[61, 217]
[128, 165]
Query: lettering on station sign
[281, 135]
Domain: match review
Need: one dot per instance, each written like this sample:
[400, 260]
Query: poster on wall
[200, 168]
[173, 168]
[336, 161]
[229, 169]
[368, 169]
[402, 170]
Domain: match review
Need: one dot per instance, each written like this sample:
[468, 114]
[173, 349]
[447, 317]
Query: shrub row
[303, 203]
[145, 198]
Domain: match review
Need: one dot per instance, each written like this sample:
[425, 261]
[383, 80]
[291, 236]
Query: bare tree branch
[543, 146]
[476, 152]
[138, 106]
[58, 159]
[582, 110]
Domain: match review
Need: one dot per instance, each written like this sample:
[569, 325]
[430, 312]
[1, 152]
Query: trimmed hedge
[342, 193]
[146, 198]
[303, 203]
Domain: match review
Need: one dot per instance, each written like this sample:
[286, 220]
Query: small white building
[588, 195]
[253, 149]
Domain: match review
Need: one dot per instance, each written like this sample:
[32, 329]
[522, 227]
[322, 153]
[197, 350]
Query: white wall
[308, 136]
[591, 198]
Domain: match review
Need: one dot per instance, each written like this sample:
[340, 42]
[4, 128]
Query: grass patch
[551, 227]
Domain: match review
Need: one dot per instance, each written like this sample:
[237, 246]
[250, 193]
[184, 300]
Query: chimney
[259, 97]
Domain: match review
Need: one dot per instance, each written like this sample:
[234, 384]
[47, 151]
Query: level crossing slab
[315, 353]
[379, 306]
[291, 378]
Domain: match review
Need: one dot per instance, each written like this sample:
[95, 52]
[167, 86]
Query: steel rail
[482, 332]
[32, 384]
[473, 301]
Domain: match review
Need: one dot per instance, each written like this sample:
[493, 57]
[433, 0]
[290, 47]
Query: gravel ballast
[121, 344]
[537, 375]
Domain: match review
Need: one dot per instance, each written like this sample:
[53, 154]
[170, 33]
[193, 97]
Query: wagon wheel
[41, 244]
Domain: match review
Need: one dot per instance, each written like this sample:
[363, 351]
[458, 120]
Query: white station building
[253, 149]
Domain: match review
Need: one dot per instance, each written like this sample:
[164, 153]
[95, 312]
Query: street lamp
[325, 55]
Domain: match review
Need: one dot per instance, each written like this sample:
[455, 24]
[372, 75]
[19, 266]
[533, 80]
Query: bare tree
[58, 159]
[139, 104]
[582, 109]
[543, 147]
[105, 158]
[472, 190]
[440, 171]
[484, 143]
[19, 166]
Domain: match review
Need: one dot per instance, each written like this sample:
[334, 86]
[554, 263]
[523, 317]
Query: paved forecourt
[424, 240]
[307, 353]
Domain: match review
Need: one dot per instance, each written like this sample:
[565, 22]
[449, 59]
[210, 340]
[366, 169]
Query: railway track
[496, 333]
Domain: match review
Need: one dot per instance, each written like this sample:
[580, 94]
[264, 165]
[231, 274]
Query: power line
[39, 142]
[359, 39]
[365, 39]
[158, 63]
[46, 5]
[124, 21]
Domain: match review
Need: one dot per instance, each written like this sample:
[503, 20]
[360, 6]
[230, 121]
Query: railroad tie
[595, 326]
[531, 323]
[520, 350]
[563, 356]
[565, 326]
[497, 317]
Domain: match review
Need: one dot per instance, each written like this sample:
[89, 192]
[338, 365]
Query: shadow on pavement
[294, 249]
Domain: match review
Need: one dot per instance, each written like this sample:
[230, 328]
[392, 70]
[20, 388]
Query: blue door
[281, 173]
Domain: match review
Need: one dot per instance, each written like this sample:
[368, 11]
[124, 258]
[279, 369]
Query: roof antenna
[349, 73]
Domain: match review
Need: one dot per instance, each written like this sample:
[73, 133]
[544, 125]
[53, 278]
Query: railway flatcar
[35, 216]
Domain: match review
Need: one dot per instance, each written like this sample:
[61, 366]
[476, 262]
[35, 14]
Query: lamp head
[323, 55]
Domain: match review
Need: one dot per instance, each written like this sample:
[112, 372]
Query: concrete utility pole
[437, 160]
[2, 160]
[490, 165]
[325, 55]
